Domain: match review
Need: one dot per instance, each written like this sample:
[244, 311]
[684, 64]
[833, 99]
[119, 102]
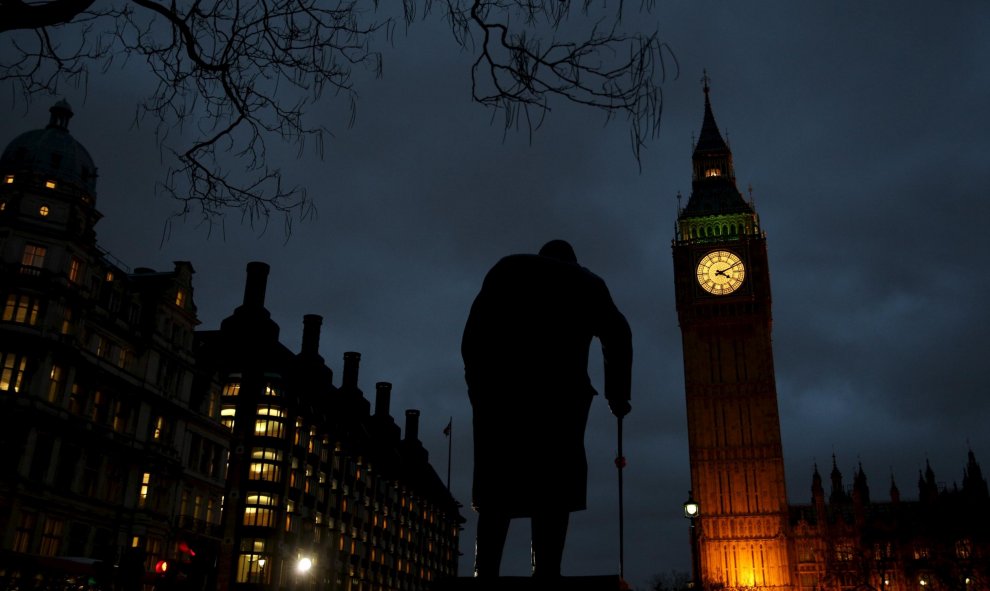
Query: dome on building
[51, 154]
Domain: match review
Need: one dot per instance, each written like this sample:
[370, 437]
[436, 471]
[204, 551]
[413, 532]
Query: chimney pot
[352, 361]
[256, 284]
[383, 397]
[412, 425]
[311, 334]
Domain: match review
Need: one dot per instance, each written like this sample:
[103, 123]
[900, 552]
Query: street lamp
[303, 565]
[691, 511]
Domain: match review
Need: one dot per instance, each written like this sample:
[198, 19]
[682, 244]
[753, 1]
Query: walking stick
[620, 463]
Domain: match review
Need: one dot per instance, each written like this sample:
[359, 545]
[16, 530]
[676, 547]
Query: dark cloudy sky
[862, 129]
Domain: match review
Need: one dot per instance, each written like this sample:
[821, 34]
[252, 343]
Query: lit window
[55, 384]
[180, 298]
[251, 562]
[259, 510]
[43, 211]
[121, 420]
[212, 400]
[227, 413]
[66, 321]
[51, 536]
[11, 372]
[21, 310]
[103, 345]
[145, 485]
[9, 179]
[109, 276]
[270, 421]
[265, 464]
[232, 389]
[271, 390]
[34, 256]
[25, 529]
[3, 206]
[75, 270]
[159, 430]
[713, 172]
[49, 184]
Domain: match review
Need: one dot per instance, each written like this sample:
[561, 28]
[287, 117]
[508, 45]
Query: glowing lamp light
[691, 508]
[303, 565]
[923, 582]
[49, 184]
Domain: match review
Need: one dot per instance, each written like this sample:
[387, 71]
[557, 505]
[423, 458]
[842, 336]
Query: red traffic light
[161, 566]
[185, 549]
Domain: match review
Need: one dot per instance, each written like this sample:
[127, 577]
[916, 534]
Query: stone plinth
[594, 583]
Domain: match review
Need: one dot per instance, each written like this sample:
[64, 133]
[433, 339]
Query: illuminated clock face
[721, 272]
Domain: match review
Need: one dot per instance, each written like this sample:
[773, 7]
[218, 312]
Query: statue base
[592, 583]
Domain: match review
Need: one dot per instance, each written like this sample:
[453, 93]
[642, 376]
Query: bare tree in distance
[670, 581]
[234, 75]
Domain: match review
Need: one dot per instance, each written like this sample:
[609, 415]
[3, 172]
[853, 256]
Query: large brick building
[130, 438]
[744, 533]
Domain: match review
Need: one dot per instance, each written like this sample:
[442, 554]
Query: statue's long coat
[525, 350]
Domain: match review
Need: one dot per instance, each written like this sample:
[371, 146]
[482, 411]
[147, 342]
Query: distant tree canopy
[670, 581]
[236, 75]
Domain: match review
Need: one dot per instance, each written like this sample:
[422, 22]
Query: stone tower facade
[722, 284]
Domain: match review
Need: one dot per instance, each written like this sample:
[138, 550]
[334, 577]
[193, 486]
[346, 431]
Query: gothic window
[51, 536]
[24, 531]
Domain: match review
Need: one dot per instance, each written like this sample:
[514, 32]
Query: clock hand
[722, 272]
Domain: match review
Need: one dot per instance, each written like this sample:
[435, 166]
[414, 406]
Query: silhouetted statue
[525, 352]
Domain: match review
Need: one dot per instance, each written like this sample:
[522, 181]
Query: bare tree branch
[234, 74]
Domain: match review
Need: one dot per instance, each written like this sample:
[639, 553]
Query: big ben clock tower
[722, 285]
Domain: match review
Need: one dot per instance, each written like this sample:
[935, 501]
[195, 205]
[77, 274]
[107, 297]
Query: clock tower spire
[722, 289]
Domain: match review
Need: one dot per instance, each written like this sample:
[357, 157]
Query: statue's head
[560, 250]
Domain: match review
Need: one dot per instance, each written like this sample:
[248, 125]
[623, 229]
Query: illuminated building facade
[744, 533]
[722, 288]
[315, 478]
[847, 541]
[130, 438]
[112, 446]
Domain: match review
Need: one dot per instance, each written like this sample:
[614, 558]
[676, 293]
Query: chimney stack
[311, 334]
[352, 360]
[412, 425]
[383, 396]
[256, 284]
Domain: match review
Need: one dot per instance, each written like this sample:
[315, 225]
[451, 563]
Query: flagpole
[450, 447]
